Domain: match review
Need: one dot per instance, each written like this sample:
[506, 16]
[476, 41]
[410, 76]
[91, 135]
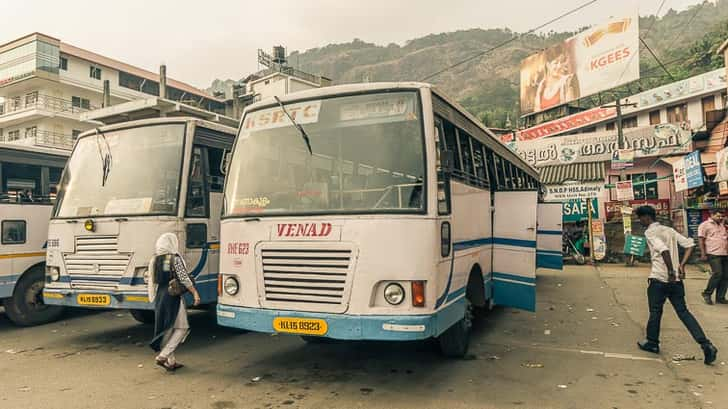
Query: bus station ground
[577, 351]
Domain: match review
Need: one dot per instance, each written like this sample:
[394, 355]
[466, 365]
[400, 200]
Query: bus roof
[502, 150]
[164, 120]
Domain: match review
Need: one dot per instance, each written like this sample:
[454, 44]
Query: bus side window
[196, 235]
[465, 154]
[196, 188]
[14, 231]
[479, 161]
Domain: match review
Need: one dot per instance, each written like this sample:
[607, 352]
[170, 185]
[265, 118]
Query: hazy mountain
[685, 42]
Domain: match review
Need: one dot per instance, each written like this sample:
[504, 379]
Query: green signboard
[635, 245]
[575, 210]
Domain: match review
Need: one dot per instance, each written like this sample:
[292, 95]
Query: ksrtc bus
[125, 185]
[373, 212]
[28, 180]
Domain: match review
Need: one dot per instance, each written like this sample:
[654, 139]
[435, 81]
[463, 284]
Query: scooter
[573, 248]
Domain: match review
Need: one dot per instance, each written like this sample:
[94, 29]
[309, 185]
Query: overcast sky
[201, 40]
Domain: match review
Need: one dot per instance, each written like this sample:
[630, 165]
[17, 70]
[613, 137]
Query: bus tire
[454, 342]
[143, 316]
[25, 307]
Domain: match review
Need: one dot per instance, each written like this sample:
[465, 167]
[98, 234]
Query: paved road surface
[577, 351]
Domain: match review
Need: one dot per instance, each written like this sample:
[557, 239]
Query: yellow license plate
[306, 326]
[97, 300]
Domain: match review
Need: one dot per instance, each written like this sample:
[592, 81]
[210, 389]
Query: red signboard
[557, 126]
[614, 213]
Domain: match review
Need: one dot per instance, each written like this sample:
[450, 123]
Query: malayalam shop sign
[560, 193]
[557, 126]
[646, 141]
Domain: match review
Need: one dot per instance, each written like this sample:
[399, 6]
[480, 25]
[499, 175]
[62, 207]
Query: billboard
[600, 58]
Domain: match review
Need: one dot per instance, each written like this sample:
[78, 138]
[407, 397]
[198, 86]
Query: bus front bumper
[97, 299]
[348, 327]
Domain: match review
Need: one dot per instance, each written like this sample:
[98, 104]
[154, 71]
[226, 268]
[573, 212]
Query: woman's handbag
[175, 287]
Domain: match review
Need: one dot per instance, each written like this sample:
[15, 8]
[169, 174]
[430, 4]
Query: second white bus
[385, 212]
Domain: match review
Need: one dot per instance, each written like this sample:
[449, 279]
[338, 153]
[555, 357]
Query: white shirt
[661, 238]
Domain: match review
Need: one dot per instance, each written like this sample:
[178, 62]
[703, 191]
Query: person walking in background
[170, 315]
[713, 239]
[666, 282]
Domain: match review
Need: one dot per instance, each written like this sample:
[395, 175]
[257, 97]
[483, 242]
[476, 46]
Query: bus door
[514, 249]
[548, 241]
[197, 229]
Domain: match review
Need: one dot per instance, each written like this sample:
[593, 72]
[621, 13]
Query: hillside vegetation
[685, 42]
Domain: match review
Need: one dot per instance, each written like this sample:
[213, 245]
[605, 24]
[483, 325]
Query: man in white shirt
[666, 282]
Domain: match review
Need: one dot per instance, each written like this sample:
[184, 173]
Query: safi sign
[688, 172]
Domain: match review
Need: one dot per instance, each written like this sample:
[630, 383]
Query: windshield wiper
[105, 159]
[303, 133]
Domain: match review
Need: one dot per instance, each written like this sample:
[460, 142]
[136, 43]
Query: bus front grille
[97, 260]
[313, 278]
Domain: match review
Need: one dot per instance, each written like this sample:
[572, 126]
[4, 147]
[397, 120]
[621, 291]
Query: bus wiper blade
[304, 135]
[105, 159]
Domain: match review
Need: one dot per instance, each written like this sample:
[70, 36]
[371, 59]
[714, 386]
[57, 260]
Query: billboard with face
[600, 58]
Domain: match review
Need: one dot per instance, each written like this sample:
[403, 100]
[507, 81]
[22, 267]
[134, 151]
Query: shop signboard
[602, 57]
[645, 141]
[694, 218]
[599, 238]
[700, 84]
[627, 220]
[687, 172]
[635, 245]
[576, 210]
[625, 190]
[565, 124]
[623, 159]
[614, 208]
[560, 193]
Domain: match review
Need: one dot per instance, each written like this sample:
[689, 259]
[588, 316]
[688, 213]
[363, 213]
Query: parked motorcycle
[572, 246]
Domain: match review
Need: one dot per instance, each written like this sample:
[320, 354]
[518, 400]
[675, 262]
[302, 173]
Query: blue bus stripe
[455, 294]
[550, 232]
[507, 276]
[515, 242]
[548, 252]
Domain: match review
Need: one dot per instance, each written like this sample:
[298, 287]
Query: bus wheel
[143, 316]
[454, 342]
[25, 307]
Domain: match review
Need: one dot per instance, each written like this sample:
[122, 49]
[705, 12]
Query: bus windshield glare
[367, 155]
[134, 171]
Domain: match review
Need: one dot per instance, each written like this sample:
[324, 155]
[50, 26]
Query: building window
[611, 126]
[677, 113]
[79, 102]
[31, 98]
[655, 117]
[63, 64]
[31, 132]
[645, 190]
[13, 231]
[708, 104]
[589, 130]
[137, 83]
[13, 135]
[630, 122]
[75, 133]
[94, 72]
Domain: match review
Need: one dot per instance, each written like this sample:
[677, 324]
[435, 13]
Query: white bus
[28, 179]
[404, 215]
[125, 185]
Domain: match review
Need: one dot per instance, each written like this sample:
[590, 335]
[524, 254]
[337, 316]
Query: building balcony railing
[45, 139]
[40, 101]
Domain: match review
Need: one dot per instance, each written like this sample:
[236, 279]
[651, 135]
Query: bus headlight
[231, 286]
[394, 294]
[54, 273]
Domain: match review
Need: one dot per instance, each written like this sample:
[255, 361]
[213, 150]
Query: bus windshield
[134, 171]
[367, 155]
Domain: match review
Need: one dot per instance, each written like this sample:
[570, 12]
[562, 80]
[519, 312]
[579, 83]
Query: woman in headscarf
[170, 315]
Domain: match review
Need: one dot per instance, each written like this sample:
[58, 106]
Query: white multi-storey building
[45, 84]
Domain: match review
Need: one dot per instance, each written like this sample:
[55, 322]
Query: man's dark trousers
[657, 293]
[718, 281]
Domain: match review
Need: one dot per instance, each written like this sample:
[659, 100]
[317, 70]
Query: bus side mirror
[447, 161]
[225, 163]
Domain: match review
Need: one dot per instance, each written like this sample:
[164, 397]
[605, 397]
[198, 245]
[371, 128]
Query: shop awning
[582, 172]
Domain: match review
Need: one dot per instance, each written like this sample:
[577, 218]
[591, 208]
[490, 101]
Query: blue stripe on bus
[549, 260]
[507, 276]
[455, 294]
[550, 232]
[466, 244]
[514, 242]
[549, 252]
